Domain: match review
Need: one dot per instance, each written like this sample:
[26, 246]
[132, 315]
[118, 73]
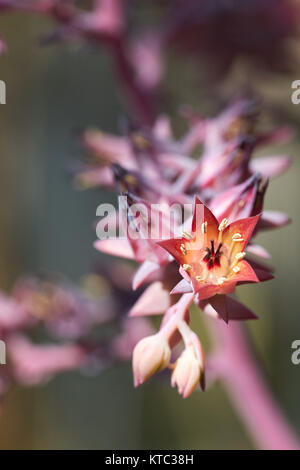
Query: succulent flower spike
[240, 201]
[212, 257]
[230, 165]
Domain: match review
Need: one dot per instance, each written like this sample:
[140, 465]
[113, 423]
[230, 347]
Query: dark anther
[218, 255]
[212, 258]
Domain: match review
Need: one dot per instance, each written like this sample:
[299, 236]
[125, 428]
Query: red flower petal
[203, 214]
[205, 291]
[246, 273]
[243, 226]
[219, 303]
[173, 247]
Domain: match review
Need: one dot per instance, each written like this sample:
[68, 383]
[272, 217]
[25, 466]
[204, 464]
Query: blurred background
[47, 225]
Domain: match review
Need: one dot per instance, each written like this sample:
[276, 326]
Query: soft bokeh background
[47, 225]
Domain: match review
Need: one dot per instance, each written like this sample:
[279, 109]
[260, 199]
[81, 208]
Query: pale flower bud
[150, 355]
[187, 372]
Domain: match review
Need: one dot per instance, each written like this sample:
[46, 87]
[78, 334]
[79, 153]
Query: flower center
[212, 257]
[220, 260]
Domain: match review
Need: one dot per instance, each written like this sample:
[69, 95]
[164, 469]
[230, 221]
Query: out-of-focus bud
[188, 372]
[150, 355]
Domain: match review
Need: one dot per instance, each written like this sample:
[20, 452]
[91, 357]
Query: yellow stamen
[204, 227]
[240, 255]
[236, 269]
[236, 236]
[221, 280]
[199, 279]
[222, 225]
[183, 249]
[187, 267]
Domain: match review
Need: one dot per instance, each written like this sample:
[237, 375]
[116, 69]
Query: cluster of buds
[211, 252]
[153, 354]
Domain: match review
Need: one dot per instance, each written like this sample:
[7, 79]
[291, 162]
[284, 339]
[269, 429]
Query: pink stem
[141, 102]
[248, 390]
[175, 314]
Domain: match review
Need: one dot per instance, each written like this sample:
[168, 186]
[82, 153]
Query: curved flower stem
[176, 315]
[140, 101]
[248, 390]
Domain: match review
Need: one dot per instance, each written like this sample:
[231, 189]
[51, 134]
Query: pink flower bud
[187, 372]
[150, 355]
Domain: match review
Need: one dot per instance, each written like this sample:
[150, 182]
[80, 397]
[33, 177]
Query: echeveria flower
[212, 256]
